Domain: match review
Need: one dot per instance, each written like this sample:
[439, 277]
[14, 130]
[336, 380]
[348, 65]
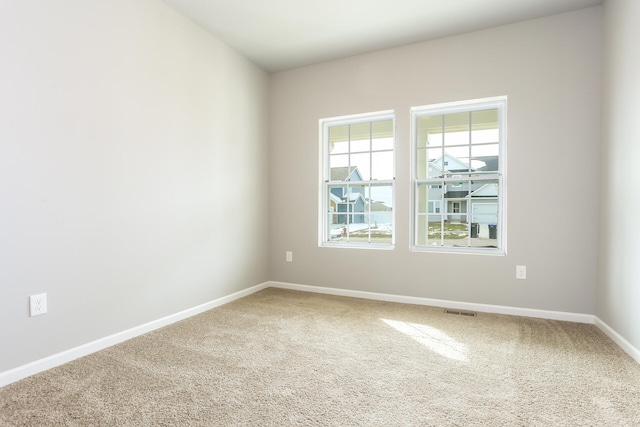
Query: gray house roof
[343, 173]
[352, 197]
[491, 163]
[379, 206]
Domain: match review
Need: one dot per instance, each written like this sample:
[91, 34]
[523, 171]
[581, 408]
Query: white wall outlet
[289, 256]
[37, 304]
[521, 272]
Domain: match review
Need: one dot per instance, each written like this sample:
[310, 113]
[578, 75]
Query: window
[357, 182]
[434, 206]
[458, 167]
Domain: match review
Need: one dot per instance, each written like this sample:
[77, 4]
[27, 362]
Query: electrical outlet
[289, 256]
[521, 272]
[37, 304]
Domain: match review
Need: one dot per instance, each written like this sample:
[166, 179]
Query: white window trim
[499, 102]
[323, 157]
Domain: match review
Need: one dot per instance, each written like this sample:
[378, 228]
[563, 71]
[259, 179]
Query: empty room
[367, 213]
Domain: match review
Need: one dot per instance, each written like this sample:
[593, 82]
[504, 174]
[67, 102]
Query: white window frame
[499, 103]
[324, 238]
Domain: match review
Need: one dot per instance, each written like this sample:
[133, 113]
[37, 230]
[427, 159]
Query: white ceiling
[282, 34]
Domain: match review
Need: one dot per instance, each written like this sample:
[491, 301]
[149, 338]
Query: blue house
[347, 199]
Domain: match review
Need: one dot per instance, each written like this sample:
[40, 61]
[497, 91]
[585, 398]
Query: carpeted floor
[281, 358]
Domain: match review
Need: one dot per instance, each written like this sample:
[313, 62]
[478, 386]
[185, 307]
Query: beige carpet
[280, 358]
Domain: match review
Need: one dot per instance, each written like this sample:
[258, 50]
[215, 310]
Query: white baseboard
[484, 308]
[58, 359]
[52, 361]
[618, 339]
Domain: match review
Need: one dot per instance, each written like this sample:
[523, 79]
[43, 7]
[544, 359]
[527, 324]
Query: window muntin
[358, 175]
[458, 163]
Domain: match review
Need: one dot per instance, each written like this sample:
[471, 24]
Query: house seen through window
[358, 180]
[458, 176]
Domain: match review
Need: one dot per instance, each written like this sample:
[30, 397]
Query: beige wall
[619, 278]
[132, 170]
[550, 70]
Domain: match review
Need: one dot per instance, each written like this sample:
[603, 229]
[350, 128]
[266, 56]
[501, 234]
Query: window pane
[336, 210]
[447, 233]
[339, 147]
[380, 196]
[429, 163]
[378, 214]
[484, 189]
[338, 170]
[484, 213]
[456, 215]
[455, 229]
[429, 206]
[376, 229]
[434, 156]
[422, 198]
[485, 157]
[485, 126]
[361, 161]
[431, 230]
[435, 231]
[456, 128]
[360, 137]
[338, 139]
[335, 195]
[429, 131]
[382, 135]
[421, 164]
[435, 206]
[346, 198]
[484, 233]
[334, 229]
[485, 136]
[434, 171]
[382, 165]
[360, 145]
[360, 131]
[382, 144]
[456, 159]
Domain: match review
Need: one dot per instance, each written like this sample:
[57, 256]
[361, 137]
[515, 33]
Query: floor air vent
[460, 312]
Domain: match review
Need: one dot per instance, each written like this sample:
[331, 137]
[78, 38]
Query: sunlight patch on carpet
[432, 338]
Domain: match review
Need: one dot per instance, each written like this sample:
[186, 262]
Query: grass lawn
[450, 230]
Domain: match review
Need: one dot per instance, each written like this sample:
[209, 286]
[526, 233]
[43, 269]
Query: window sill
[466, 250]
[378, 246]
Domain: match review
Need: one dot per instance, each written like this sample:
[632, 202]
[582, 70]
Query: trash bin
[475, 230]
[493, 231]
